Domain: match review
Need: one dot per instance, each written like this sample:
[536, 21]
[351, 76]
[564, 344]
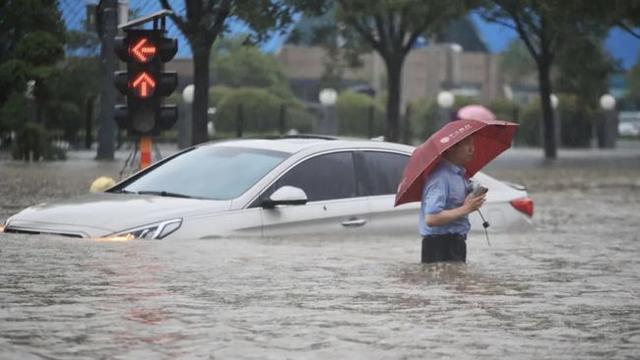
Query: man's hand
[473, 203]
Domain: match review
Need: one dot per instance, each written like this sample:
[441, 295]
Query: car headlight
[156, 231]
[4, 224]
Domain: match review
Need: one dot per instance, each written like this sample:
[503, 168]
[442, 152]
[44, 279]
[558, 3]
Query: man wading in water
[436, 176]
[446, 204]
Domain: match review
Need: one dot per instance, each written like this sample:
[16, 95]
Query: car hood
[101, 214]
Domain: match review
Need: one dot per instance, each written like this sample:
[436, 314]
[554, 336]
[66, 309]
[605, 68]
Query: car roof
[295, 144]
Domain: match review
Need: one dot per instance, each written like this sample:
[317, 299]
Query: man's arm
[444, 217]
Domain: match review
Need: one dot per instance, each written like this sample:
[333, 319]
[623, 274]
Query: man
[444, 221]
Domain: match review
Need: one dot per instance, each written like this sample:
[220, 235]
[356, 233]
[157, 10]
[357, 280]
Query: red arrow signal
[143, 84]
[142, 50]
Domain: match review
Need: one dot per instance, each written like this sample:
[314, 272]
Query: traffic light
[145, 83]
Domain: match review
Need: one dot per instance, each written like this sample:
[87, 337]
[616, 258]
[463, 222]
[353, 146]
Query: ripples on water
[568, 291]
[527, 296]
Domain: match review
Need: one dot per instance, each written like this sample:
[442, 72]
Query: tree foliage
[392, 28]
[236, 64]
[633, 84]
[586, 80]
[462, 31]
[516, 62]
[621, 13]
[31, 43]
[260, 111]
[203, 21]
[355, 110]
[21, 17]
[545, 27]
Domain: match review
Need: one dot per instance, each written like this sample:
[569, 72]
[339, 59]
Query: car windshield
[211, 172]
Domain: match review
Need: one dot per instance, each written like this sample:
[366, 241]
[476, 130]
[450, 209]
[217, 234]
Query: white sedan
[286, 186]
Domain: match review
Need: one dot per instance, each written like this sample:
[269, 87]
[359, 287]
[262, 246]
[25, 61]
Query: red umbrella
[491, 138]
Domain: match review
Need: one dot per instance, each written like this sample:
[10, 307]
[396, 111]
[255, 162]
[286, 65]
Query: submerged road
[569, 290]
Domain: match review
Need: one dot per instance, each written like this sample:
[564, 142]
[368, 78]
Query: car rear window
[382, 172]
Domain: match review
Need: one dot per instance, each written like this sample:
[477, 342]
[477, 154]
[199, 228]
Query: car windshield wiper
[163, 193]
[123, 191]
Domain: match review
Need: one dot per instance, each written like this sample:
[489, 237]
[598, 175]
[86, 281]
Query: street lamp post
[328, 124]
[445, 102]
[184, 122]
[29, 94]
[557, 121]
[607, 129]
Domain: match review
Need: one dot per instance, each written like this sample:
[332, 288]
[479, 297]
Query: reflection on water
[568, 291]
[527, 296]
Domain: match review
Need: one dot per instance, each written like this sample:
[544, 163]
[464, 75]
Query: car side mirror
[286, 195]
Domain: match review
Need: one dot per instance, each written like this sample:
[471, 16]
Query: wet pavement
[569, 290]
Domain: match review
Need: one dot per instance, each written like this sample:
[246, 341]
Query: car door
[382, 172]
[334, 205]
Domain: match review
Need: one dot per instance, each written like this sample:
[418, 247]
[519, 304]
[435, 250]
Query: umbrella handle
[485, 225]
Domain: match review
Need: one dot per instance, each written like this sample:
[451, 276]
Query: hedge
[354, 111]
[260, 112]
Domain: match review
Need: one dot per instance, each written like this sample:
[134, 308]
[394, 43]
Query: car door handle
[354, 222]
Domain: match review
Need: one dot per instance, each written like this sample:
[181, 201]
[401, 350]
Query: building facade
[426, 71]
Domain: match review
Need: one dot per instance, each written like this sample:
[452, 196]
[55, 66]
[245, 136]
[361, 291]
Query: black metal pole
[282, 124]
[108, 30]
[239, 121]
[406, 131]
[370, 119]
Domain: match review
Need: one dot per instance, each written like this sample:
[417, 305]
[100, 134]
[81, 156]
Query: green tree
[462, 31]
[76, 89]
[621, 13]
[236, 64]
[202, 21]
[355, 110]
[391, 28]
[633, 83]
[516, 62]
[544, 27]
[260, 111]
[31, 42]
[217, 93]
[586, 80]
[21, 17]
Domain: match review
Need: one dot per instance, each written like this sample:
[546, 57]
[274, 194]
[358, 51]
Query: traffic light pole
[145, 84]
[145, 145]
[108, 30]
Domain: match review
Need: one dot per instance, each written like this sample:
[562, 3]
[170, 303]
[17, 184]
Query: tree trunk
[88, 122]
[200, 94]
[544, 79]
[40, 112]
[394, 85]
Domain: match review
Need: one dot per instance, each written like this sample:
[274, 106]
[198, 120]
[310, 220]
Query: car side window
[383, 171]
[324, 177]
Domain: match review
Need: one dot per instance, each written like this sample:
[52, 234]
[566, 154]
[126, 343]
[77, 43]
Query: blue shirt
[445, 189]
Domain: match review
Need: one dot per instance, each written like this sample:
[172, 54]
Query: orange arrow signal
[145, 83]
[142, 51]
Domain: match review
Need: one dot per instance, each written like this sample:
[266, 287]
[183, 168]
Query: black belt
[446, 236]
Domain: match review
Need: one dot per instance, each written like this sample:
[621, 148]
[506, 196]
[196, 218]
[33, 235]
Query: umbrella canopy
[490, 136]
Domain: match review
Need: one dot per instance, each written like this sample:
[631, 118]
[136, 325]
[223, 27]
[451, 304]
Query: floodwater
[568, 290]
